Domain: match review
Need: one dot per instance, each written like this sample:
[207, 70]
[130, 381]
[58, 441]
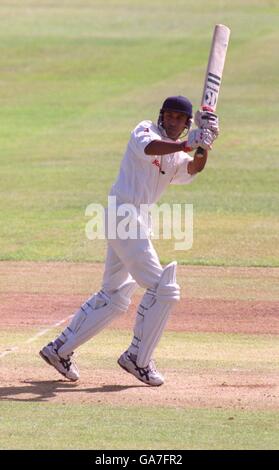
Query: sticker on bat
[210, 98]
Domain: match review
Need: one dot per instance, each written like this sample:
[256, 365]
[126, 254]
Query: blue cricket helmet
[179, 104]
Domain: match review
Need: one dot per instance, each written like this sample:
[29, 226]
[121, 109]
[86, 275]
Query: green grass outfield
[77, 76]
[97, 427]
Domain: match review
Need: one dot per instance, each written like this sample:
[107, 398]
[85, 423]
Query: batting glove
[207, 120]
[199, 138]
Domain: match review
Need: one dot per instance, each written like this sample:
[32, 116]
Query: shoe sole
[129, 372]
[46, 359]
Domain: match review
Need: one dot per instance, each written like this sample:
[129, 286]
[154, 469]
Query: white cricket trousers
[131, 261]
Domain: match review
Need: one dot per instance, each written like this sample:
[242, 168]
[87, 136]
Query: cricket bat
[214, 72]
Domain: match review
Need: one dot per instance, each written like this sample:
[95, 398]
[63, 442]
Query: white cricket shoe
[66, 367]
[149, 375]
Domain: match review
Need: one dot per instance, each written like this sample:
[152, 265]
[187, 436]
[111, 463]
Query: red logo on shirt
[146, 129]
[157, 163]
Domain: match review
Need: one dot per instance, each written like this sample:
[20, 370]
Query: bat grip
[200, 152]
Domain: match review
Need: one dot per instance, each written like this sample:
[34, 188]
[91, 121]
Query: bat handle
[200, 152]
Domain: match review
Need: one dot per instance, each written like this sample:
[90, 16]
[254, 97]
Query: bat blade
[215, 67]
[214, 72]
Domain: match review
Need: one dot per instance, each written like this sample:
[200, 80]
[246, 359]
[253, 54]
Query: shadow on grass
[43, 390]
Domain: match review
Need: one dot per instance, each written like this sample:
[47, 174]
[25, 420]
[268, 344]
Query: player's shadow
[40, 391]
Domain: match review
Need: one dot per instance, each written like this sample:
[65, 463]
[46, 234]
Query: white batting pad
[152, 315]
[94, 315]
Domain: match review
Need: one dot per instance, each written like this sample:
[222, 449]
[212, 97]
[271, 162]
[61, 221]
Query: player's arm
[196, 138]
[160, 147]
[163, 147]
[198, 163]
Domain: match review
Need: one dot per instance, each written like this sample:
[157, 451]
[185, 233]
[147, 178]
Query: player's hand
[200, 138]
[207, 120]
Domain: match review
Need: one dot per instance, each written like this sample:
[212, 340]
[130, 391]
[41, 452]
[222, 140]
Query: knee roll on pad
[168, 290]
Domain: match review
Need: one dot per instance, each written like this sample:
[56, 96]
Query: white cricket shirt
[140, 180]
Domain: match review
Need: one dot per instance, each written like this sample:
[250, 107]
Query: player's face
[174, 123]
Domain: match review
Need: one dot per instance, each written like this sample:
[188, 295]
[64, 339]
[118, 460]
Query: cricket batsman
[156, 156]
